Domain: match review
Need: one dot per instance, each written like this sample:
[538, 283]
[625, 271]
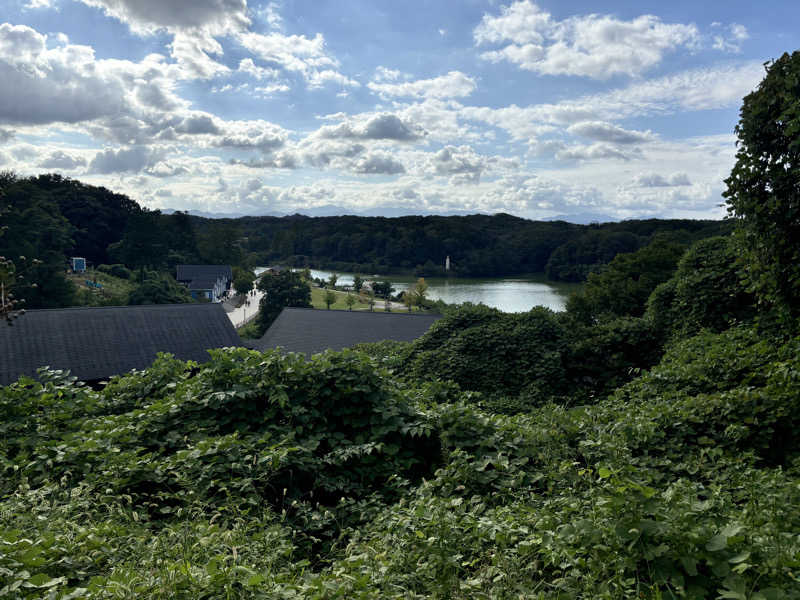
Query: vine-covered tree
[763, 190]
[704, 293]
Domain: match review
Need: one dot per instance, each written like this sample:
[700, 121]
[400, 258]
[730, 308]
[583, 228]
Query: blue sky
[606, 110]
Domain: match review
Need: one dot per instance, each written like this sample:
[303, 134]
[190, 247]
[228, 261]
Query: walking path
[247, 311]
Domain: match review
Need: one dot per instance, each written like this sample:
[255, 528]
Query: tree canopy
[158, 288]
[286, 288]
[622, 288]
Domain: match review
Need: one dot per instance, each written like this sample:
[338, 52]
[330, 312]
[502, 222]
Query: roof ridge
[117, 307]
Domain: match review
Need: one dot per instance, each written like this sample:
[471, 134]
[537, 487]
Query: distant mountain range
[332, 210]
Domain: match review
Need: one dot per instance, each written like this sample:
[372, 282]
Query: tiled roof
[188, 273]
[95, 343]
[311, 330]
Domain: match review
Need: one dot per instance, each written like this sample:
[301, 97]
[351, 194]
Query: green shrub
[482, 349]
[158, 288]
[117, 270]
[704, 293]
[601, 358]
[120, 271]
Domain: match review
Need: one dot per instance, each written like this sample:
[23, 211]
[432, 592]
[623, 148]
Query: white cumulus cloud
[596, 46]
[452, 85]
[299, 54]
[657, 180]
[730, 38]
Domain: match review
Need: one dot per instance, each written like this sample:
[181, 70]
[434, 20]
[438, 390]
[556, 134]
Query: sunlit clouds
[246, 107]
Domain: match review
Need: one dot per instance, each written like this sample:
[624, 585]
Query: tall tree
[144, 243]
[408, 299]
[763, 190]
[369, 296]
[35, 229]
[243, 280]
[181, 239]
[382, 289]
[283, 289]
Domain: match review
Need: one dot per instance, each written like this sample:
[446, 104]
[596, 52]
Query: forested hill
[50, 217]
[478, 245]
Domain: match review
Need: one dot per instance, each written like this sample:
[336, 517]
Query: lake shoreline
[518, 293]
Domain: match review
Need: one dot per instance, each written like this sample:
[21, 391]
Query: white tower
[447, 264]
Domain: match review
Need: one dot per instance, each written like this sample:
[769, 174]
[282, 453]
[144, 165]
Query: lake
[509, 294]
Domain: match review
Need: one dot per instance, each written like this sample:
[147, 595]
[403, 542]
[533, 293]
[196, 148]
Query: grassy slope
[115, 290]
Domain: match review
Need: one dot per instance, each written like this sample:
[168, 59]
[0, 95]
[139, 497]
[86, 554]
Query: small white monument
[447, 264]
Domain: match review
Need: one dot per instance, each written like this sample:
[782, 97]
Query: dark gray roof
[95, 343]
[311, 331]
[202, 284]
[203, 272]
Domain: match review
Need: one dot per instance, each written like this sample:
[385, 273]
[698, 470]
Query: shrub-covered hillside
[266, 476]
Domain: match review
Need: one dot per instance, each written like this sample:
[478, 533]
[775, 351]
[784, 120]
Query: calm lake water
[509, 294]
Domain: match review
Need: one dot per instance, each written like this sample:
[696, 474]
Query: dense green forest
[478, 245]
[640, 444]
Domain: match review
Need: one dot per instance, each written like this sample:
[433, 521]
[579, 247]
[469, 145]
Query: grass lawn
[318, 301]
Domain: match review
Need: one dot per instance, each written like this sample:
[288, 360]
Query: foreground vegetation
[262, 475]
[639, 445]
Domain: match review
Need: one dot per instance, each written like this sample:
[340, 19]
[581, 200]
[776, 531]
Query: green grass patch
[318, 301]
[114, 292]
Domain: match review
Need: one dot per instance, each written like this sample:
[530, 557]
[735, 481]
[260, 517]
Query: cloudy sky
[554, 107]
